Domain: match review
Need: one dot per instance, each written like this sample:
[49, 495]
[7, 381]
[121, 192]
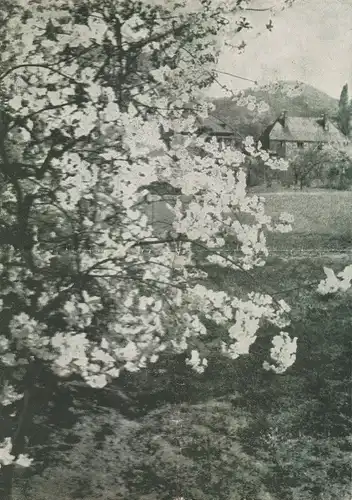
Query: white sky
[310, 42]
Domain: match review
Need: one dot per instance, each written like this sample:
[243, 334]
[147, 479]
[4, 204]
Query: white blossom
[333, 283]
[5, 452]
[283, 353]
[9, 395]
[23, 460]
[6, 458]
[196, 362]
[122, 288]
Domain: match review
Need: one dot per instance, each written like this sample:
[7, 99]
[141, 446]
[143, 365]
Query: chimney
[283, 118]
[325, 122]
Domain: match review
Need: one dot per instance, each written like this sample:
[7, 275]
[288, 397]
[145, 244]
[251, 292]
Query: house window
[282, 144]
[226, 141]
[300, 145]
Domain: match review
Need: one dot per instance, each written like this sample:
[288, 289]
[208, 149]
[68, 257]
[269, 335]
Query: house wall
[290, 148]
[160, 216]
[278, 146]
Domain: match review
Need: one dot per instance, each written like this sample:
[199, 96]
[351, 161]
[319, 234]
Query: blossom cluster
[334, 283]
[90, 284]
[6, 458]
[283, 353]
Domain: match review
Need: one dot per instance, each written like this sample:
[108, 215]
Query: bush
[339, 177]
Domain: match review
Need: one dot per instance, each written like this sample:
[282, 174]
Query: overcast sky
[310, 42]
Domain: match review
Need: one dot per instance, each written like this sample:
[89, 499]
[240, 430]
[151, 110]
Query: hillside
[304, 101]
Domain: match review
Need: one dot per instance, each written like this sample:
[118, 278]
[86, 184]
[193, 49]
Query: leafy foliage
[321, 164]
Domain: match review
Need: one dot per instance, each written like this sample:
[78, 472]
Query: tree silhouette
[344, 114]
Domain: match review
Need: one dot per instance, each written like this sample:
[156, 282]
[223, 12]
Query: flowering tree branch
[92, 285]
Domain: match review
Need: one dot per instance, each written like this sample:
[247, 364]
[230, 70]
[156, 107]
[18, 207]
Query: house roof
[305, 130]
[216, 126]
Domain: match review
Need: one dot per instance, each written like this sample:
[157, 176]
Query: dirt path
[311, 254]
[338, 194]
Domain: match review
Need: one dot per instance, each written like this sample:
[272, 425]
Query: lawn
[323, 220]
[315, 211]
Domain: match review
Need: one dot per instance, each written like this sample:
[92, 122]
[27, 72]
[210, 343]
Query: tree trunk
[6, 482]
[295, 178]
[18, 442]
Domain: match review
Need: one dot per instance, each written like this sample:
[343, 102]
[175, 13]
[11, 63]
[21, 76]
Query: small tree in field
[317, 164]
[307, 166]
[100, 104]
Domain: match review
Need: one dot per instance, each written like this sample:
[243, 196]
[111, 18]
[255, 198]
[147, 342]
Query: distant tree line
[325, 167]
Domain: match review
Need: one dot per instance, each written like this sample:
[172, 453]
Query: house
[213, 126]
[290, 134]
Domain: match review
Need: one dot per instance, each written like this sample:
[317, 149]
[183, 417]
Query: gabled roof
[216, 126]
[306, 130]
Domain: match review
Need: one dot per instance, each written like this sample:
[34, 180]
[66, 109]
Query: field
[323, 218]
[321, 236]
[323, 222]
[318, 212]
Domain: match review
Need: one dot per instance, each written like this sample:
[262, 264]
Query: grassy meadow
[315, 211]
[323, 221]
